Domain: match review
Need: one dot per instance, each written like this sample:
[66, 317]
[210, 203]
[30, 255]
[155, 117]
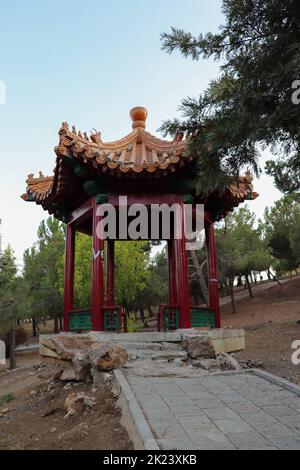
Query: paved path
[241, 411]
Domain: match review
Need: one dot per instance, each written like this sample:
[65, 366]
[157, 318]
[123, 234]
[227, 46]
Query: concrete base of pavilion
[223, 340]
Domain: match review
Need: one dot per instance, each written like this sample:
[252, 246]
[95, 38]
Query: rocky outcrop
[108, 357]
[78, 354]
[64, 347]
[198, 344]
[81, 366]
[228, 362]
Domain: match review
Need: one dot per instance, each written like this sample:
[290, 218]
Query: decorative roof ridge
[31, 179]
[68, 138]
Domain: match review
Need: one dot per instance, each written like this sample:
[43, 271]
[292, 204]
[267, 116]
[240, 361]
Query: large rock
[64, 347]
[68, 375]
[108, 357]
[199, 344]
[81, 366]
[226, 361]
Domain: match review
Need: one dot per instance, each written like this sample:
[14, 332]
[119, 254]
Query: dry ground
[272, 323]
[35, 419]
[36, 416]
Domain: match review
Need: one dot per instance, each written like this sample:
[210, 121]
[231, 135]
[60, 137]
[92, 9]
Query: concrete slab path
[240, 411]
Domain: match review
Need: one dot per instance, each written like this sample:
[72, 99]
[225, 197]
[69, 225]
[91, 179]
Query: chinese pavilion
[148, 170]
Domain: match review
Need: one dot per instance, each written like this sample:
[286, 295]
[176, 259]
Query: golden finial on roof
[138, 116]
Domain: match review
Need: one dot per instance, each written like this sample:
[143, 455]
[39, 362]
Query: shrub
[8, 397]
[134, 326]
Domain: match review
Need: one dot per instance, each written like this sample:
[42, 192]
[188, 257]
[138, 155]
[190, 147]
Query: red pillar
[69, 274]
[98, 286]
[212, 270]
[110, 272]
[182, 275]
[172, 273]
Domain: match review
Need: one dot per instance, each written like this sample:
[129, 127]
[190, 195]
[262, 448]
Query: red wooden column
[212, 270]
[69, 274]
[182, 276]
[110, 272]
[172, 273]
[98, 286]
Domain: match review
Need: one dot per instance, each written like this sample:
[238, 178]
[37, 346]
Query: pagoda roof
[139, 155]
[137, 152]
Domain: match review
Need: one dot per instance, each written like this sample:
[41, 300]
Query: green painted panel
[111, 320]
[171, 318]
[80, 321]
[202, 317]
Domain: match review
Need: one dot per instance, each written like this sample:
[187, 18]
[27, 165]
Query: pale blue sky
[88, 63]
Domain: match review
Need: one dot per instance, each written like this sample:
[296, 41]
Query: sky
[88, 63]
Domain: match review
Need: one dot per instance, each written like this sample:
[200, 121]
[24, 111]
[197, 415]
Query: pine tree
[249, 105]
[8, 300]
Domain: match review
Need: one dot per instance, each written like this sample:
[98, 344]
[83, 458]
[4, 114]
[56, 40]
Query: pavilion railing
[203, 317]
[113, 318]
[80, 320]
[168, 317]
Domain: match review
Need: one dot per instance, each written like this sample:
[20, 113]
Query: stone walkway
[241, 411]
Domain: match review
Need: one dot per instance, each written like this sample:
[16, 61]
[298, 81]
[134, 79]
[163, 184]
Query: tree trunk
[150, 310]
[232, 297]
[142, 314]
[34, 330]
[273, 278]
[199, 270]
[12, 348]
[55, 323]
[249, 286]
[60, 322]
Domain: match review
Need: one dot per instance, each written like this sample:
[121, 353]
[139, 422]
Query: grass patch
[134, 326]
[8, 397]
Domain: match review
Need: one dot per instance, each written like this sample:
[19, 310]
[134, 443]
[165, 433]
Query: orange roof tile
[137, 152]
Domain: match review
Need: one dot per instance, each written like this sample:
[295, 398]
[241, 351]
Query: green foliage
[249, 105]
[241, 247]
[7, 398]
[155, 290]
[134, 326]
[132, 261]
[8, 291]
[282, 228]
[83, 271]
[42, 293]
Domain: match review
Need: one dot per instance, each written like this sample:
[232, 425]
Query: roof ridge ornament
[138, 116]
